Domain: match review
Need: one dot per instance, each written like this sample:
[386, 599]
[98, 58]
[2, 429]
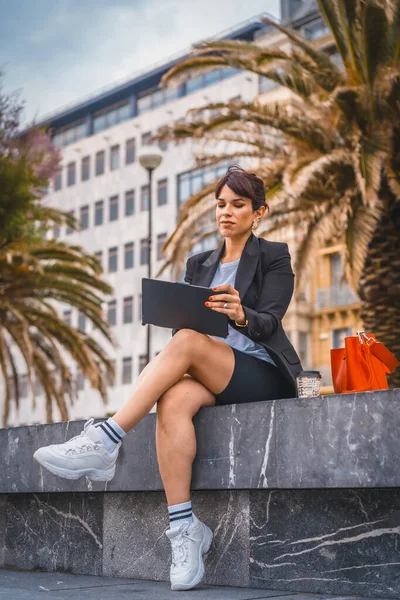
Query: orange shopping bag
[362, 365]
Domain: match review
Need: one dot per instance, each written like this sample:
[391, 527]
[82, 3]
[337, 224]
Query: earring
[255, 224]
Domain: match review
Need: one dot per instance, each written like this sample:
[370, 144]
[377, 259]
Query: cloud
[60, 51]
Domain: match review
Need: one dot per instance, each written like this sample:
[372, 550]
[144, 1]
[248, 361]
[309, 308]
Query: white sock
[111, 433]
[180, 513]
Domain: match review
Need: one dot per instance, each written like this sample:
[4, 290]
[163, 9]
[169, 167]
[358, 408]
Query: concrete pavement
[34, 585]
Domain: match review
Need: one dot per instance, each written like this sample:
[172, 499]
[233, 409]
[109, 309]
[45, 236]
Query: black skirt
[254, 380]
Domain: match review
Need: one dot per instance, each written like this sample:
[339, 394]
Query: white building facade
[101, 181]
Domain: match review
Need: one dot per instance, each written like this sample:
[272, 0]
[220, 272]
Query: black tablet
[180, 306]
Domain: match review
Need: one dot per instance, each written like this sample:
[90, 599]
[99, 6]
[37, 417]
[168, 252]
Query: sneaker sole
[92, 474]
[204, 548]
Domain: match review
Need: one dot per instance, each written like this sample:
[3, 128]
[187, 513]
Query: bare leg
[176, 438]
[209, 361]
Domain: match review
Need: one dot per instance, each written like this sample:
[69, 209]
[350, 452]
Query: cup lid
[309, 373]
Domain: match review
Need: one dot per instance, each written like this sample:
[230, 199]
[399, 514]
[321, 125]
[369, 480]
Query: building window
[38, 387]
[265, 84]
[161, 239]
[336, 269]
[113, 208]
[112, 312]
[99, 212]
[112, 115]
[140, 307]
[114, 158]
[129, 254]
[192, 181]
[142, 362]
[84, 222]
[69, 230]
[127, 370]
[112, 260]
[67, 317]
[315, 30]
[70, 135]
[81, 321]
[144, 197]
[111, 378]
[146, 137]
[58, 180]
[128, 309]
[144, 251]
[338, 336]
[156, 97]
[71, 173]
[23, 386]
[194, 83]
[162, 192]
[80, 381]
[99, 256]
[129, 203]
[303, 348]
[85, 168]
[130, 151]
[100, 162]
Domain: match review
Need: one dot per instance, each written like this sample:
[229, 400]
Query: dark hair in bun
[244, 184]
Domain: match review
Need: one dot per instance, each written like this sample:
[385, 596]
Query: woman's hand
[228, 303]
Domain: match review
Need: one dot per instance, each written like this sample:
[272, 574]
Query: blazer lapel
[247, 266]
[205, 271]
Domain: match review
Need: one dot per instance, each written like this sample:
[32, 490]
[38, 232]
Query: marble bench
[303, 495]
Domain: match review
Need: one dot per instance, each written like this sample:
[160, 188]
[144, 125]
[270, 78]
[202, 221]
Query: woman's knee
[184, 399]
[190, 341]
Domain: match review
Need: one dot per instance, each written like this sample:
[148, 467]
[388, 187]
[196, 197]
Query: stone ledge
[338, 441]
[343, 542]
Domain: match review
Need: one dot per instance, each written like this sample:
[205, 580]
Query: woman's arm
[276, 294]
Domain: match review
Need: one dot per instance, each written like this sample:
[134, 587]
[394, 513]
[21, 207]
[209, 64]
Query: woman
[255, 362]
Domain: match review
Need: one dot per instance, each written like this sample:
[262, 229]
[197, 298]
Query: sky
[55, 52]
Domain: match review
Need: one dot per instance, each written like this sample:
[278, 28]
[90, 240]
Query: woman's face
[234, 214]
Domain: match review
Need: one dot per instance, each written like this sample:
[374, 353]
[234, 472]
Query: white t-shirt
[226, 273]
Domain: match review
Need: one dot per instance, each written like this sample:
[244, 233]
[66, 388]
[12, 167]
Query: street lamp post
[149, 158]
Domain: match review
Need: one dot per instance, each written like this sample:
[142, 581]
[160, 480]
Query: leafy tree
[329, 153]
[35, 271]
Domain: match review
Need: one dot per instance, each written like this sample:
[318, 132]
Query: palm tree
[33, 275]
[37, 273]
[329, 154]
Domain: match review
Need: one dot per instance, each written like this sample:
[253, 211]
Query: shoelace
[180, 546]
[72, 448]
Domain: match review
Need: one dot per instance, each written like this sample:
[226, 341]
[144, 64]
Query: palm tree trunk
[379, 287]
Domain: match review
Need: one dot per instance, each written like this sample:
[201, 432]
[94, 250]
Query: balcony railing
[335, 296]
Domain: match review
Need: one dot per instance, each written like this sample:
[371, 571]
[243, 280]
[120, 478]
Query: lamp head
[150, 157]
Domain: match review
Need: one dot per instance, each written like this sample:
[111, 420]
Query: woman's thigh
[186, 396]
[212, 361]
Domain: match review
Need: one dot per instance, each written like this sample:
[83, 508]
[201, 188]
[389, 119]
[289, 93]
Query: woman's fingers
[224, 298]
[229, 289]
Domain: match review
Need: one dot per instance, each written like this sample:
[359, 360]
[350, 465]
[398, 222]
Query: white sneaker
[84, 454]
[189, 542]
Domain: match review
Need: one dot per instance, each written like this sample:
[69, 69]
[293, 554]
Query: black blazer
[265, 282]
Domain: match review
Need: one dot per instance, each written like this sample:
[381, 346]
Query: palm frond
[375, 39]
[362, 224]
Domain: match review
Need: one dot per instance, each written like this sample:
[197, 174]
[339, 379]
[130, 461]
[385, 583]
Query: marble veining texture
[55, 532]
[327, 541]
[316, 541]
[338, 441]
[139, 548]
[3, 522]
